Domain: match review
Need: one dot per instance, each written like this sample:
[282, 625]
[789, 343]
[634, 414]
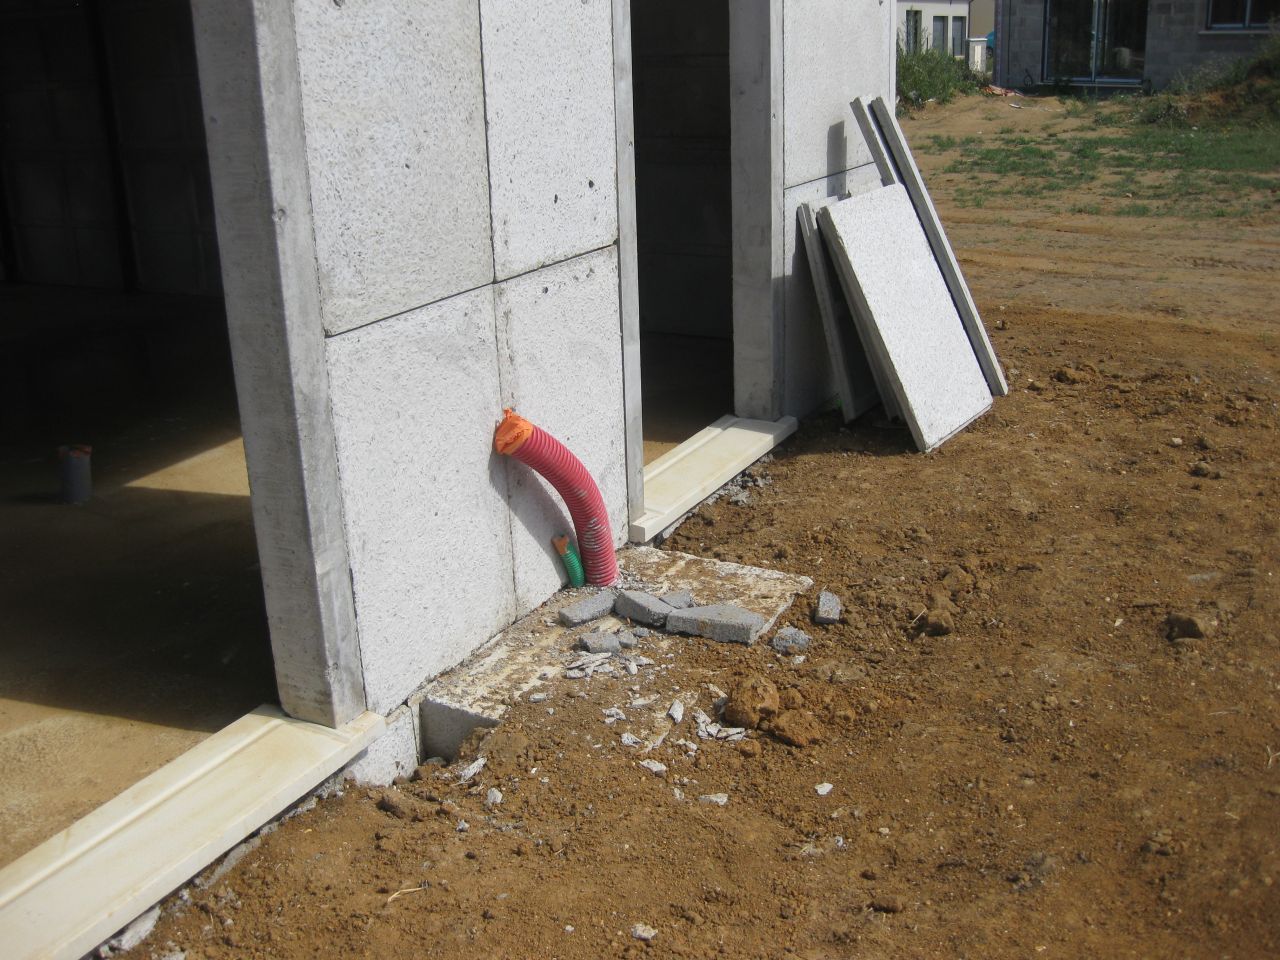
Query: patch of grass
[1092, 209]
[925, 74]
[1133, 210]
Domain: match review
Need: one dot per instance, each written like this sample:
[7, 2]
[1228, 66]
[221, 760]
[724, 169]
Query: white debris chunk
[537, 697]
[493, 798]
[471, 769]
[719, 799]
[823, 789]
[643, 701]
[631, 740]
[613, 715]
[642, 931]
[676, 713]
[654, 767]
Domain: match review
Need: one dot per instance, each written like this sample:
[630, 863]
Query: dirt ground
[1054, 777]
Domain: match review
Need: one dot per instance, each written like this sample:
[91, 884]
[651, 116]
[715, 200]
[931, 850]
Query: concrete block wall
[1178, 43]
[833, 51]
[1020, 59]
[462, 169]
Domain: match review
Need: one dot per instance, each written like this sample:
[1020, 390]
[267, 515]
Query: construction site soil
[1056, 767]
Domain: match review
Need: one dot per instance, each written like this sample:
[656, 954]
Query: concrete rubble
[828, 609]
[724, 622]
[790, 641]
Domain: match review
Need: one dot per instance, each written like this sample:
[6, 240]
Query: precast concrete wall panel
[833, 51]
[561, 359]
[393, 110]
[415, 400]
[549, 98]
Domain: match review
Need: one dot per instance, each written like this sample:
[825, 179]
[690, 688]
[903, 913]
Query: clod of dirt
[749, 748]
[791, 699]
[1069, 375]
[888, 903]
[796, 728]
[390, 803]
[937, 623]
[751, 700]
[958, 581]
[1182, 626]
[1161, 843]
[940, 600]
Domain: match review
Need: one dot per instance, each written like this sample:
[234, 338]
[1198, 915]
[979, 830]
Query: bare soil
[1053, 777]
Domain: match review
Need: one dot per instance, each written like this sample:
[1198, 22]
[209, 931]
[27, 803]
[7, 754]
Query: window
[940, 33]
[959, 34]
[1242, 14]
[915, 30]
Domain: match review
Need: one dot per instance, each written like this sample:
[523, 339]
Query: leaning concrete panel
[549, 100]
[906, 317]
[834, 50]
[561, 355]
[415, 400]
[393, 105]
[809, 383]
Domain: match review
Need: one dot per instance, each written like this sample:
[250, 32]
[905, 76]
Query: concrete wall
[1020, 43]
[1178, 43]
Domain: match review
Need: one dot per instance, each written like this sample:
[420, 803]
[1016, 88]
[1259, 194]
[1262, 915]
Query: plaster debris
[723, 622]
[631, 740]
[132, 935]
[591, 608]
[708, 729]
[655, 767]
[643, 932]
[676, 713]
[828, 609]
[679, 599]
[639, 702]
[463, 826]
[641, 607]
[613, 715]
[538, 697]
[719, 799]
[493, 798]
[600, 643]
[789, 640]
[471, 769]
[823, 789]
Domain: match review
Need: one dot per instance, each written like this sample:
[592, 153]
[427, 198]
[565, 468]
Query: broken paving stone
[723, 622]
[642, 931]
[655, 767]
[626, 639]
[600, 643]
[1181, 626]
[640, 633]
[679, 599]
[789, 641]
[828, 609]
[752, 699]
[641, 607]
[719, 799]
[591, 608]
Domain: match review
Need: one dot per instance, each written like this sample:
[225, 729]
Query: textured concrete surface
[723, 622]
[393, 106]
[902, 301]
[834, 50]
[561, 362]
[640, 607]
[809, 381]
[393, 754]
[415, 400]
[549, 100]
[591, 608]
[254, 129]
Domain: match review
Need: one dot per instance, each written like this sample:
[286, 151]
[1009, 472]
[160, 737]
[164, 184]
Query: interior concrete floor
[133, 625]
[686, 384]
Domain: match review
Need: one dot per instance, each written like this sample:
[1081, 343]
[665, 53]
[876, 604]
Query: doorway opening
[680, 64]
[1095, 41]
[134, 622]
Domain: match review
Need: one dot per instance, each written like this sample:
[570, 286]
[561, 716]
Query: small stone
[937, 623]
[1175, 441]
[613, 715]
[1201, 468]
[717, 799]
[752, 699]
[1181, 626]
[463, 826]
[723, 622]
[392, 804]
[538, 697]
[678, 599]
[823, 789]
[676, 713]
[828, 609]
[641, 607]
[591, 608]
[640, 633]
[642, 931]
[887, 903]
[655, 767]
[471, 769]
[630, 740]
[789, 640]
[600, 643]
[493, 798]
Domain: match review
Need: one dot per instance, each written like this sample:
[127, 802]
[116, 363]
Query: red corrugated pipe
[531, 445]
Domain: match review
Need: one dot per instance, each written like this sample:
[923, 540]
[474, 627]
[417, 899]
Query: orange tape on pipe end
[512, 432]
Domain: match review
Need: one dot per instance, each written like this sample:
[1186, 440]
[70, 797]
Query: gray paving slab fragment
[680, 599]
[598, 642]
[828, 609]
[723, 622]
[909, 175]
[789, 640]
[591, 608]
[641, 607]
[905, 312]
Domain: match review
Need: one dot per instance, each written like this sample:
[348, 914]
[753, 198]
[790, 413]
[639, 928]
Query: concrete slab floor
[686, 384]
[133, 625]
